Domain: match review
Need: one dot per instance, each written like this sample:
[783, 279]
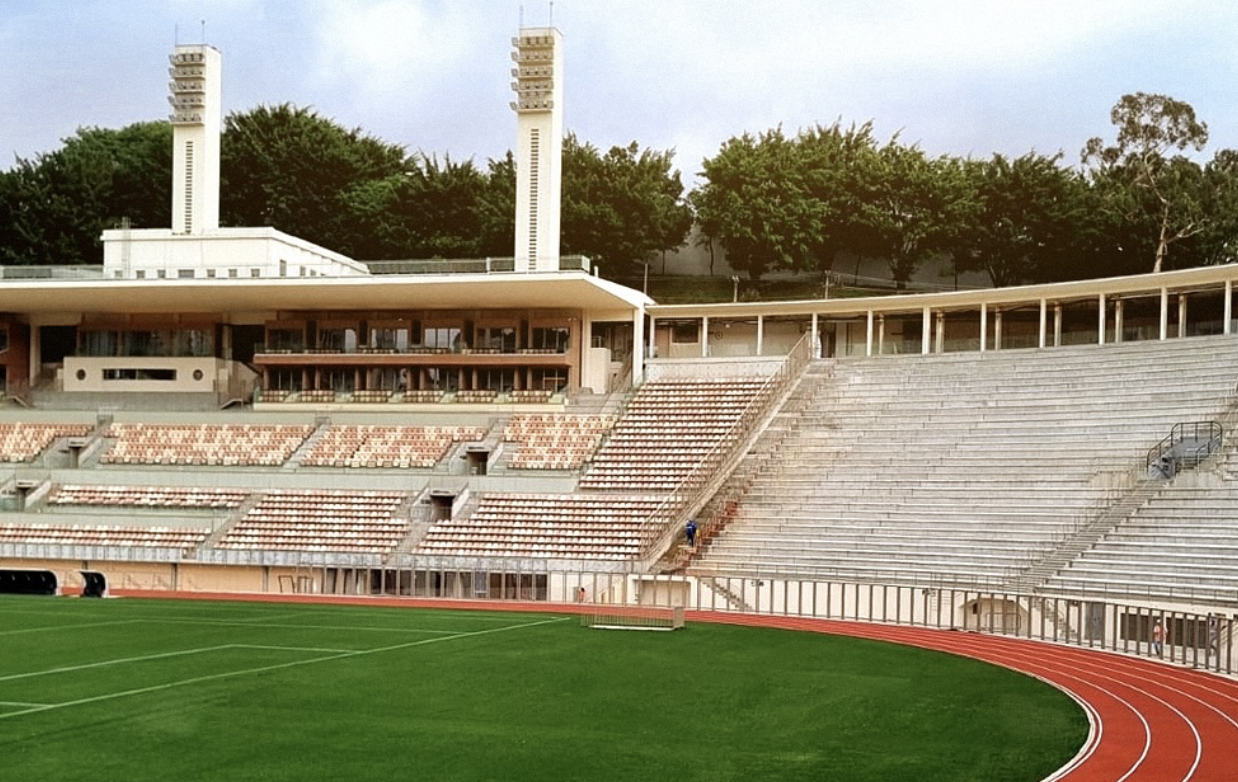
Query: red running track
[1151, 722]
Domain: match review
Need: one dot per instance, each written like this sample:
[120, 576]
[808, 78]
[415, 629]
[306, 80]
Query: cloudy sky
[965, 77]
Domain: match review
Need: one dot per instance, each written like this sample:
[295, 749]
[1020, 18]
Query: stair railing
[1186, 446]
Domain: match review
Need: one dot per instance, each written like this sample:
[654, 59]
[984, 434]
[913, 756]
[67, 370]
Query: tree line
[825, 196]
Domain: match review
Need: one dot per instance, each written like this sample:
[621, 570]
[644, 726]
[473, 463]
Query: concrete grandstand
[237, 410]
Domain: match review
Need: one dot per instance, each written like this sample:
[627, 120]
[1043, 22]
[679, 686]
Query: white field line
[291, 648]
[105, 663]
[363, 628]
[21, 703]
[70, 627]
[263, 669]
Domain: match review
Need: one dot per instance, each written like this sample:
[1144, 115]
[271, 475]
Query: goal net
[623, 617]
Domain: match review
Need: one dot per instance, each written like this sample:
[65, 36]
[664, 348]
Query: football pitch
[137, 690]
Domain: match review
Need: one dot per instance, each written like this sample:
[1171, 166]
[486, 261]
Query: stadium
[236, 414]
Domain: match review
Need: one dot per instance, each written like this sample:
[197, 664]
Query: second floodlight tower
[196, 116]
[539, 154]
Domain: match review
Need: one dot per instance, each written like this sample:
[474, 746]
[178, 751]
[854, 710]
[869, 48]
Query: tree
[1150, 127]
[1031, 215]
[496, 208]
[1218, 242]
[836, 162]
[54, 208]
[289, 168]
[757, 203]
[430, 211]
[622, 207]
[913, 207]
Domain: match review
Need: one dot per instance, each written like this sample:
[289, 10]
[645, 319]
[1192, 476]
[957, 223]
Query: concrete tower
[196, 125]
[539, 153]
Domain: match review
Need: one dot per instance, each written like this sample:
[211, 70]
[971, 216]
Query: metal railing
[660, 527]
[1186, 446]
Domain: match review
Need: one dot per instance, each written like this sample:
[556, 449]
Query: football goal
[625, 617]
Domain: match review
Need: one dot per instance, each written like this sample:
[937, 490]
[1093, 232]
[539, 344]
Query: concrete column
[1057, 325]
[1119, 309]
[997, 329]
[881, 335]
[1100, 319]
[1182, 302]
[941, 333]
[760, 334]
[705, 337]
[1164, 314]
[816, 338]
[35, 359]
[984, 326]
[926, 331]
[1229, 308]
[1043, 318]
[868, 344]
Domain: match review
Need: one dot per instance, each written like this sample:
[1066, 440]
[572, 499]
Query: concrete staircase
[958, 469]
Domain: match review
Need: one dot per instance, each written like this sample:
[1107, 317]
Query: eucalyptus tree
[1150, 129]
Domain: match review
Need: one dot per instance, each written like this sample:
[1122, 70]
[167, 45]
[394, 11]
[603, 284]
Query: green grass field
[166, 690]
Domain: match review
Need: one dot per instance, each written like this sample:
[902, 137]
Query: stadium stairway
[233, 518]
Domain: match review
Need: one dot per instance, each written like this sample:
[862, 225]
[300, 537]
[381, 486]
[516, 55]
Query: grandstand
[238, 410]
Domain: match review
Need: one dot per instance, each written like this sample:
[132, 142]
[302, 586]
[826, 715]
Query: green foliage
[1031, 219]
[622, 207]
[54, 208]
[288, 168]
[757, 203]
[1166, 190]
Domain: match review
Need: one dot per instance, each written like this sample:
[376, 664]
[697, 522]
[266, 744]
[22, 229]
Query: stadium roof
[379, 292]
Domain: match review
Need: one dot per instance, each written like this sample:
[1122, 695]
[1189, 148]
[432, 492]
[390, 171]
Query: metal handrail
[1187, 445]
[657, 529]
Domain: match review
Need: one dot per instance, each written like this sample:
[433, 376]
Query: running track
[1151, 722]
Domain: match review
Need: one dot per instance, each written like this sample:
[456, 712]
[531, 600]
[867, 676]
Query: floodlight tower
[195, 95]
[539, 168]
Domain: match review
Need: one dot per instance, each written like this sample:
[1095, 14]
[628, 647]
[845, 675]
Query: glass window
[496, 379]
[285, 379]
[199, 343]
[145, 343]
[99, 343]
[443, 338]
[552, 338]
[4, 339]
[342, 340]
[443, 379]
[389, 338]
[341, 381]
[686, 333]
[500, 338]
[285, 340]
[550, 379]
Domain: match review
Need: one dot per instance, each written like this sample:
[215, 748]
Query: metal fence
[1174, 633]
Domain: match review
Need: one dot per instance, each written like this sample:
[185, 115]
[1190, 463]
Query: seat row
[147, 496]
[204, 444]
[23, 442]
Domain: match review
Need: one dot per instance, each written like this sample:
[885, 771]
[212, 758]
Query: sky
[959, 77]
